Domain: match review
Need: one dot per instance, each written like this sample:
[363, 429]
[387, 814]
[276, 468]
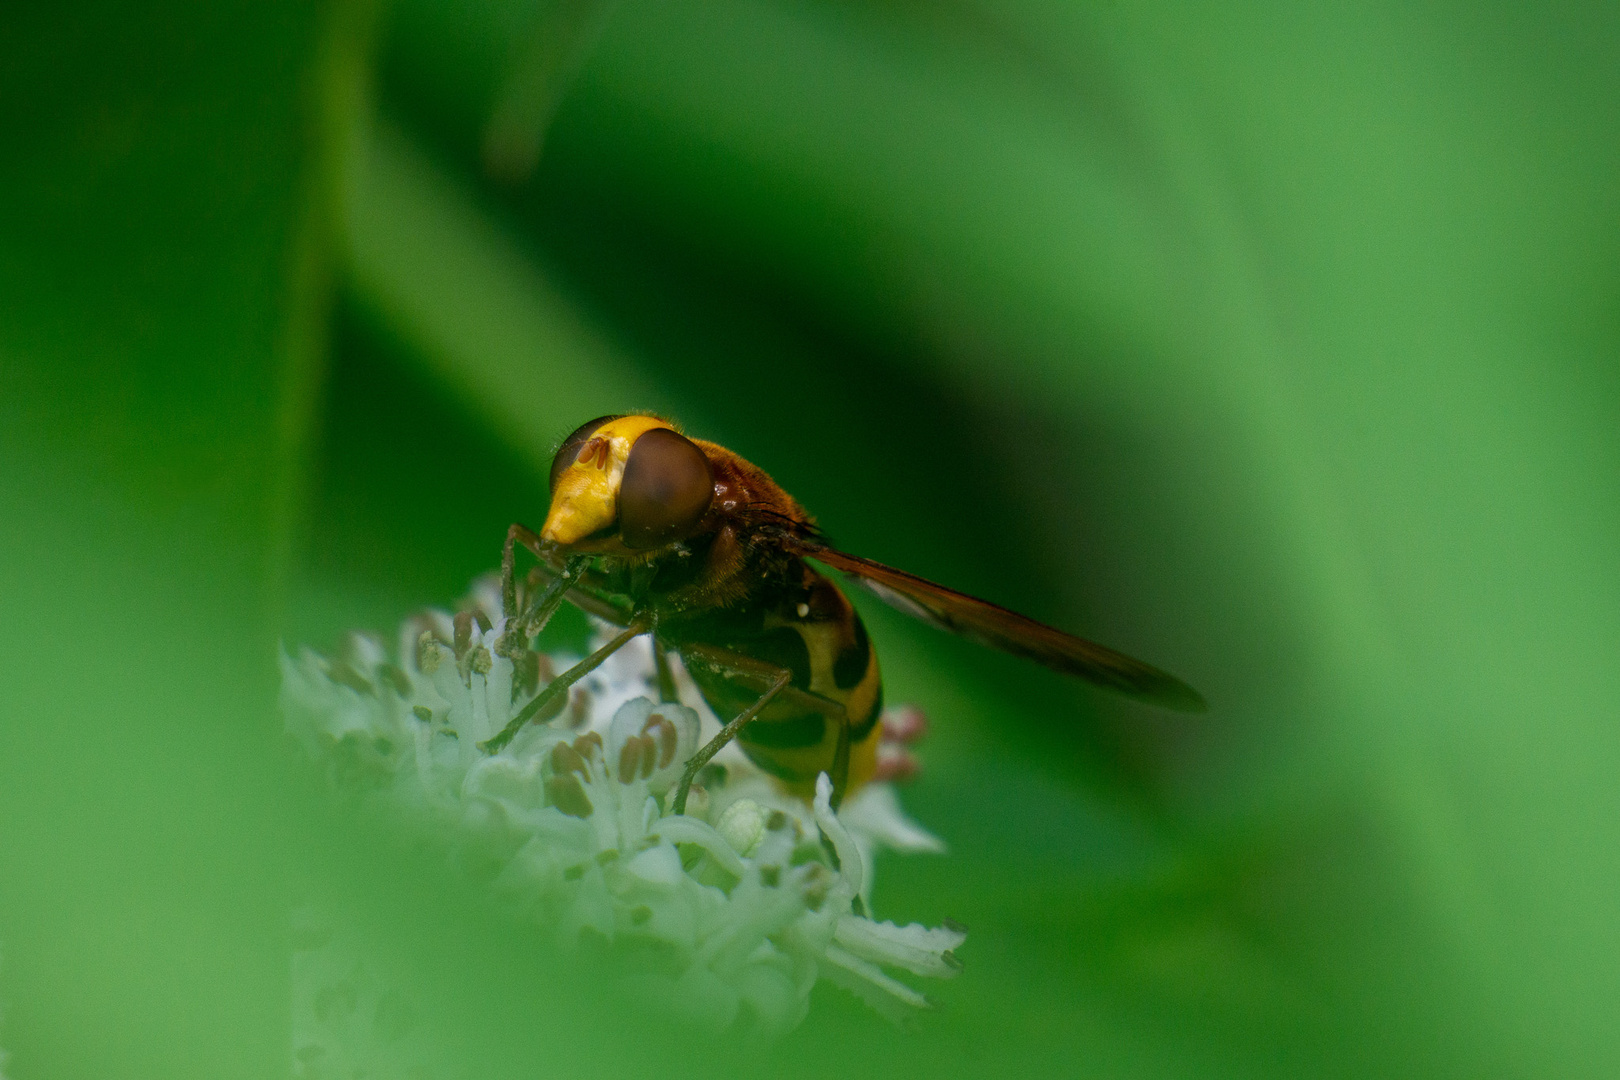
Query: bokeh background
[1273, 343]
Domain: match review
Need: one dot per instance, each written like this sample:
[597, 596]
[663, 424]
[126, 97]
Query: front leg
[516, 533]
[523, 626]
[562, 682]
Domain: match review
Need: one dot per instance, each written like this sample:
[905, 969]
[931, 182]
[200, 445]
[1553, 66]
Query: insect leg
[666, 676]
[560, 685]
[525, 626]
[530, 539]
[782, 677]
[587, 594]
[762, 674]
[840, 768]
[778, 678]
[545, 605]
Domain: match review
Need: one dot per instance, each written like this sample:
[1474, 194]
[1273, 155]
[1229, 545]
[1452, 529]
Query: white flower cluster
[729, 914]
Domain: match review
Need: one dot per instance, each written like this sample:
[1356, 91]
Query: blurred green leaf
[165, 258]
[472, 305]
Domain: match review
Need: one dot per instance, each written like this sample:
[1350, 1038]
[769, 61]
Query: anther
[630, 757]
[579, 707]
[339, 671]
[657, 727]
[429, 653]
[395, 679]
[565, 759]
[463, 638]
[567, 794]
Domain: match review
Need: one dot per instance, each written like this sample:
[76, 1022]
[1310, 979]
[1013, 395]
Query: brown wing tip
[1149, 685]
[1135, 679]
[1171, 693]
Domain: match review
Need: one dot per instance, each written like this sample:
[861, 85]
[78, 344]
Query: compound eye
[666, 489]
[571, 446]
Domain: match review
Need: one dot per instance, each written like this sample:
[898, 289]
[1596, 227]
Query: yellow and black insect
[684, 540]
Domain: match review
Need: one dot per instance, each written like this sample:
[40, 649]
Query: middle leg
[774, 682]
[727, 733]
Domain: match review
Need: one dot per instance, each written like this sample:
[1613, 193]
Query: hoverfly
[682, 539]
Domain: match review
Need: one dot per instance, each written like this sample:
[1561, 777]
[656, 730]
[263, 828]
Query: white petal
[890, 997]
[875, 811]
[505, 778]
[849, 856]
[679, 829]
[918, 949]
[658, 865]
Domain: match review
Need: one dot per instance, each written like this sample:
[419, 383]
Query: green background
[1273, 343]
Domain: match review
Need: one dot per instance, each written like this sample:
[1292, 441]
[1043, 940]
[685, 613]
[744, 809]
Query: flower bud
[743, 825]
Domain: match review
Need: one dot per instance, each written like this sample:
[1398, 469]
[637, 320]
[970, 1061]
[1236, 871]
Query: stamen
[579, 707]
[340, 672]
[668, 738]
[394, 679]
[630, 756]
[567, 794]
[565, 759]
[429, 653]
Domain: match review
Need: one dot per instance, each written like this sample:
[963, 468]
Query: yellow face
[585, 494]
[627, 484]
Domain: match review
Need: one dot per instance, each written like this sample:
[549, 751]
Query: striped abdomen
[811, 630]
